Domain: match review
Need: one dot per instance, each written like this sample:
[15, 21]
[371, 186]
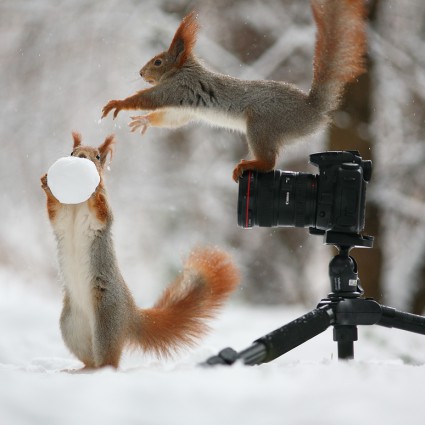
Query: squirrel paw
[237, 172]
[43, 180]
[112, 104]
[45, 186]
[140, 122]
[256, 164]
[240, 168]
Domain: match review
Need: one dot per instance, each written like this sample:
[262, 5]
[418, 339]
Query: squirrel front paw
[112, 104]
[140, 123]
[44, 184]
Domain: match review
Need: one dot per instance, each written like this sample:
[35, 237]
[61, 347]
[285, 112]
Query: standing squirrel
[270, 113]
[99, 316]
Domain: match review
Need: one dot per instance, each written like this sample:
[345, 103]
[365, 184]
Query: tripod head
[343, 272]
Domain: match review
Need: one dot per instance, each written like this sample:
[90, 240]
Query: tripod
[345, 308]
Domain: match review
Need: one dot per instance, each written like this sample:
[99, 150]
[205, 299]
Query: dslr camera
[333, 200]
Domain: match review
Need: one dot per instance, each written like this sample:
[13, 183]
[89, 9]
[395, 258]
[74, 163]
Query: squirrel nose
[141, 73]
[82, 155]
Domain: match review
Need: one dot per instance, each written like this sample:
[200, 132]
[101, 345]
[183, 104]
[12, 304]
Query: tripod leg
[279, 341]
[393, 318]
[295, 333]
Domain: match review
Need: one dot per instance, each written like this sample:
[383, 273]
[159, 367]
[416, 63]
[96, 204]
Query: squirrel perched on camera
[99, 316]
[270, 113]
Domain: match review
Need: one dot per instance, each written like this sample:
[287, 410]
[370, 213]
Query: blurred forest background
[61, 61]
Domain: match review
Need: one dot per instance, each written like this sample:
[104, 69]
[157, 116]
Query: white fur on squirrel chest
[75, 228]
[72, 180]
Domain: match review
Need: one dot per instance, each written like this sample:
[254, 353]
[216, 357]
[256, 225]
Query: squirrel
[270, 113]
[99, 316]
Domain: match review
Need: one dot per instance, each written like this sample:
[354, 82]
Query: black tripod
[345, 308]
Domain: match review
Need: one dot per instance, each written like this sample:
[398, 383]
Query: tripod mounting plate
[351, 240]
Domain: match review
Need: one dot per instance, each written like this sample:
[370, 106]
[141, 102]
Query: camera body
[333, 200]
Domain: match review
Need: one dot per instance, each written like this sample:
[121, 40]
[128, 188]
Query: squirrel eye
[158, 62]
[97, 156]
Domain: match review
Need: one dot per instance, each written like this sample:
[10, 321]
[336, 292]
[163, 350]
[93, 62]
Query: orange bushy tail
[179, 316]
[339, 51]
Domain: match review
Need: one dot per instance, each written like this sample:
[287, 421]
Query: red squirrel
[270, 113]
[99, 316]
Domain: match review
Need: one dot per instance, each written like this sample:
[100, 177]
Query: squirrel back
[99, 316]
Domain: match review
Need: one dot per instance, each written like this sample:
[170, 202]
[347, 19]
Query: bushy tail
[339, 51]
[179, 316]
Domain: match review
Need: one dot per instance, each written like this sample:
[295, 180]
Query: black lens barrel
[277, 198]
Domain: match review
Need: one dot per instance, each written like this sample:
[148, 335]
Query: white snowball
[73, 180]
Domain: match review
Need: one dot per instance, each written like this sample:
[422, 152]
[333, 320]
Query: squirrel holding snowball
[270, 113]
[99, 316]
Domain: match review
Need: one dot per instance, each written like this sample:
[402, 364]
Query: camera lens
[277, 198]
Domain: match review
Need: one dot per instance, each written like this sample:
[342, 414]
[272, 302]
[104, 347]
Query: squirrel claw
[112, 104]
[243, 165]
[139, 122]
[237, 172]
[43, 180]
[256, 164]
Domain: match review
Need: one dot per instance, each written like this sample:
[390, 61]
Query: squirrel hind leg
[262, 165]
[263, 142]
[107, 350]
[108, 343]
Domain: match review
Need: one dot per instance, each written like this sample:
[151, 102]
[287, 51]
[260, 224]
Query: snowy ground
[384, 384]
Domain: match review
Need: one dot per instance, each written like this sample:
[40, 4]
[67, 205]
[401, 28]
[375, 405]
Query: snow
[384, 384]
[73, 180]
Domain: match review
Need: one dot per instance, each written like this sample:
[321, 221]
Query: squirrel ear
[185, 38]
[77, 139]
[107, 147]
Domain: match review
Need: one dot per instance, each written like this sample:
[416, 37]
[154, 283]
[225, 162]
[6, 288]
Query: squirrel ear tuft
[107, 147]
[185, 38]
[77, 139]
